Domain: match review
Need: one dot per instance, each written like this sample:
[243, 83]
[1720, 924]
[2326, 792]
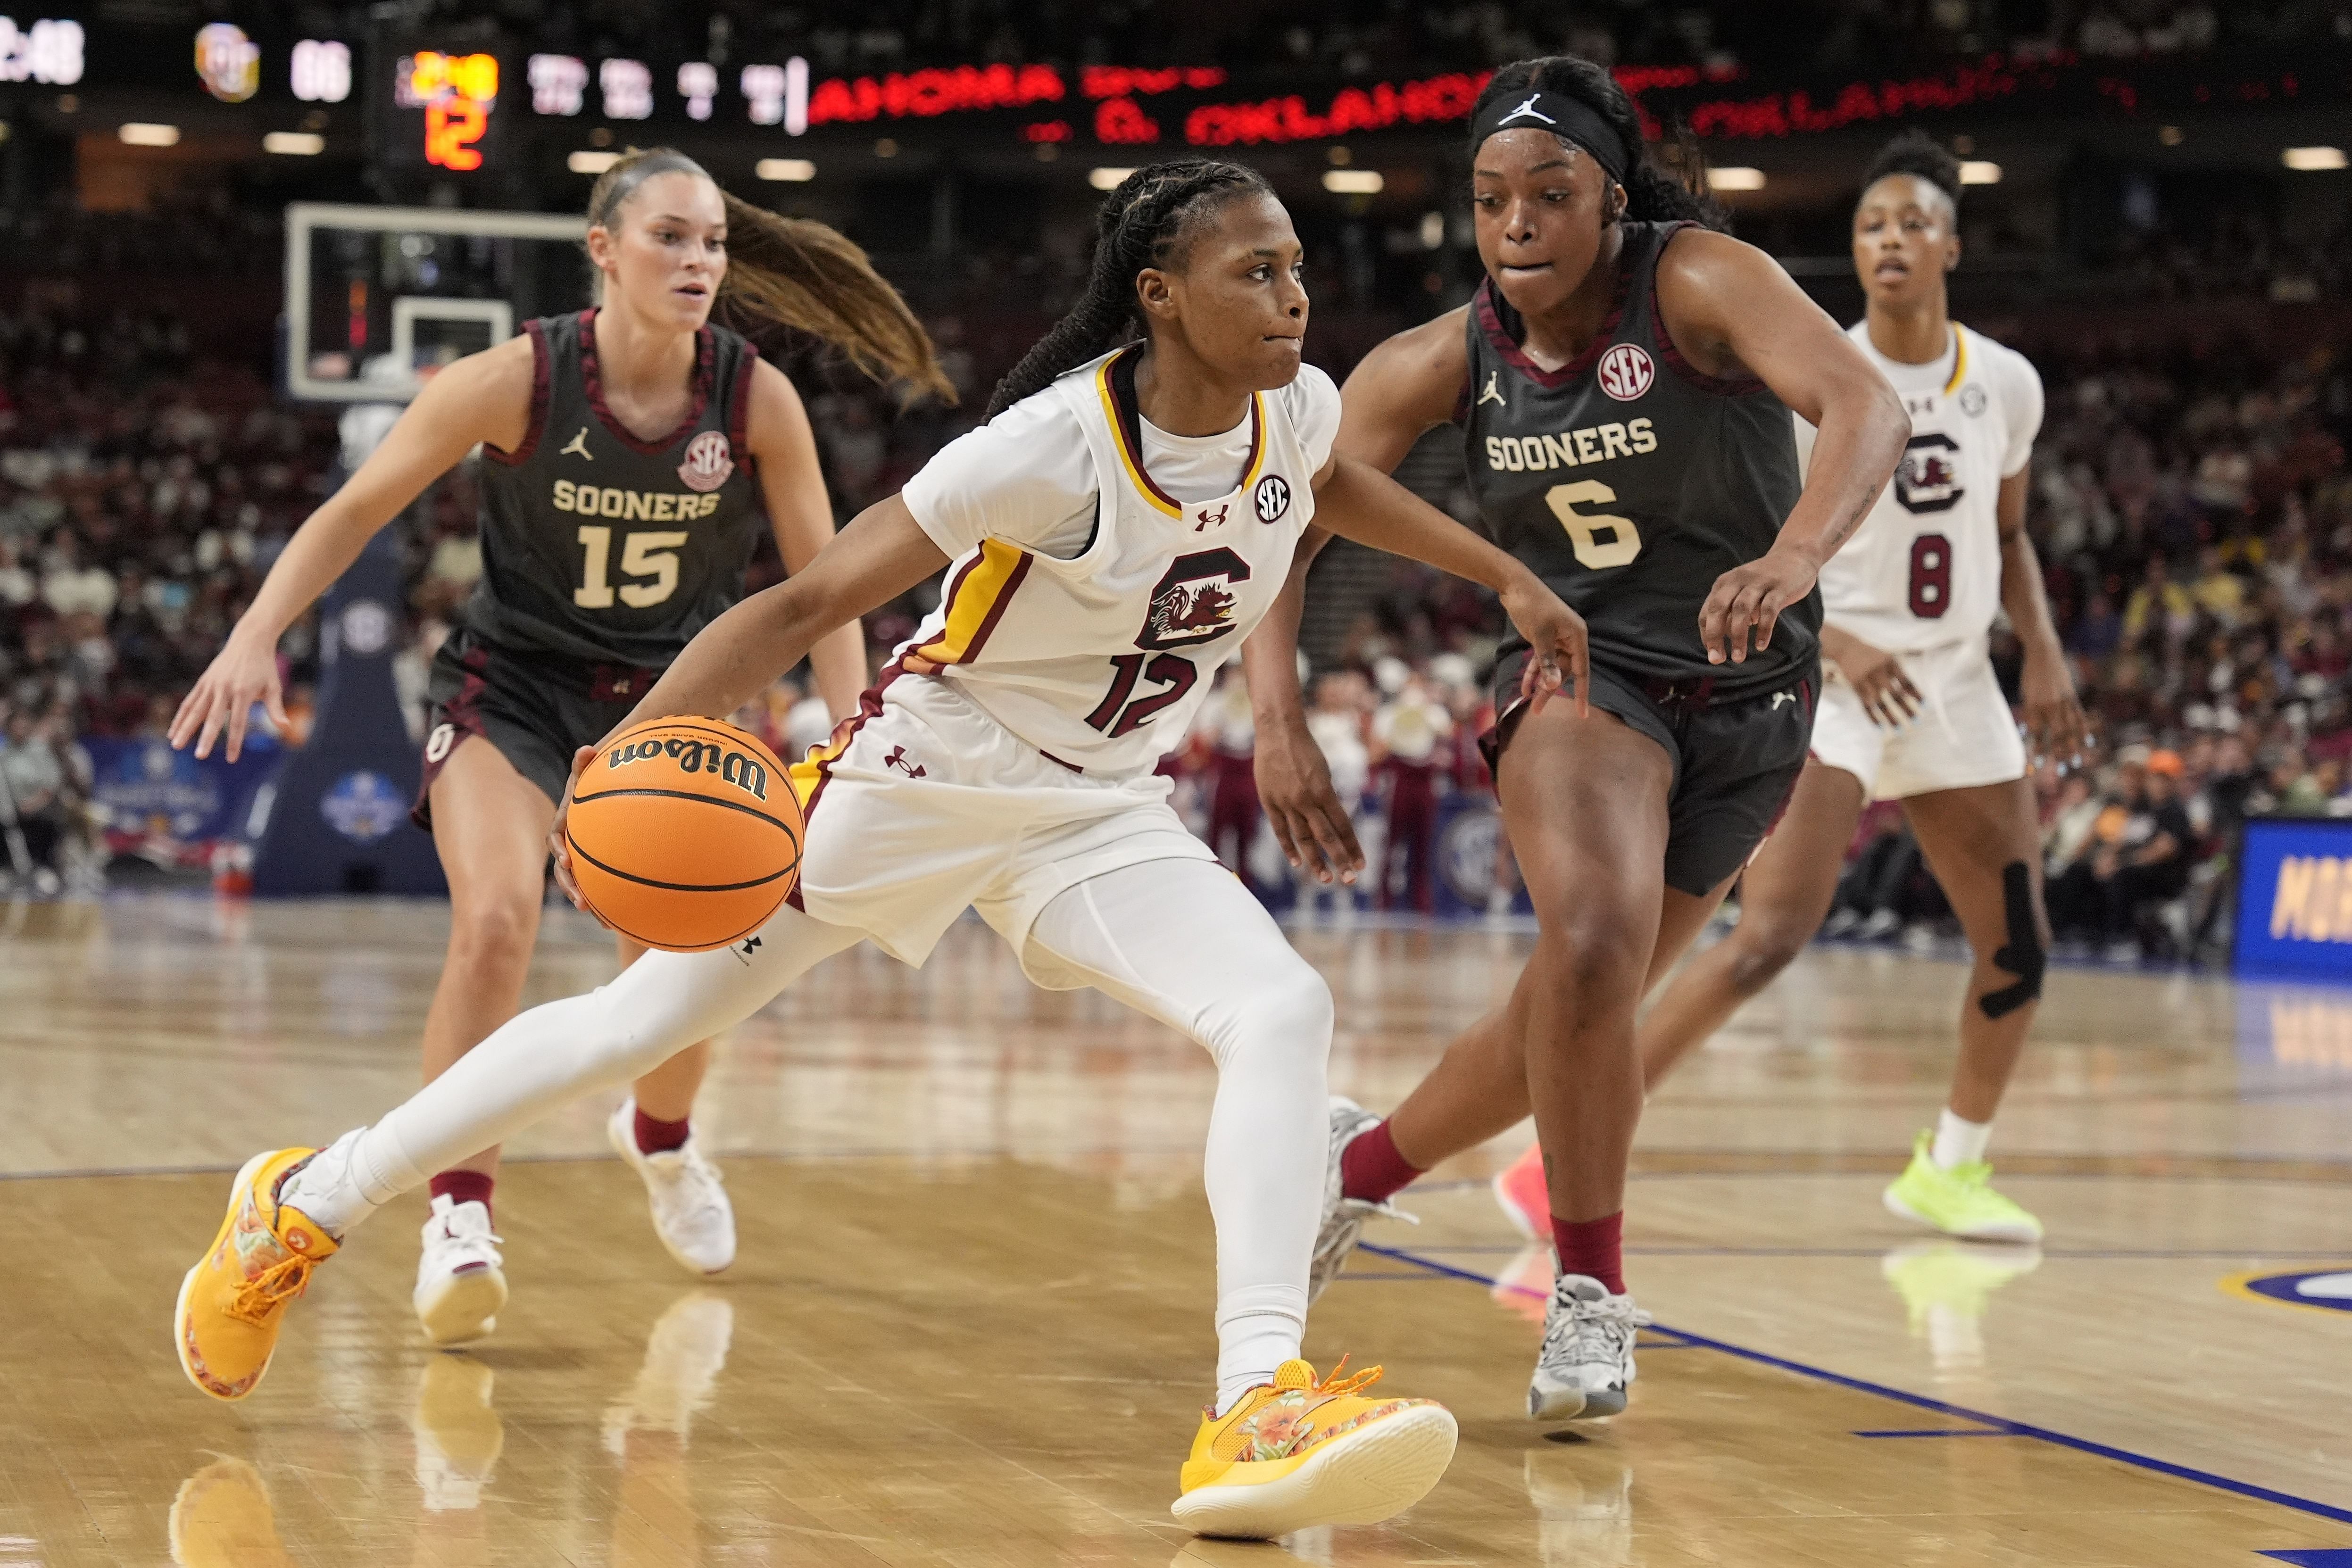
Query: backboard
[374, 296]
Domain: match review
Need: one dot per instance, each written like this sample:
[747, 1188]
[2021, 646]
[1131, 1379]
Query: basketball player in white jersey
[1125, 518]
[1910, 710]
[646, 407]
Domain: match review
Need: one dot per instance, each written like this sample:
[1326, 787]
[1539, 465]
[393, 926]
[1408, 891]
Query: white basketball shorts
[931, 806]
[1963, 735]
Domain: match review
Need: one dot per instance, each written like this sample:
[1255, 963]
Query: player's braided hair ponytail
[796, 273]
[1145, 222]
[1652, 194]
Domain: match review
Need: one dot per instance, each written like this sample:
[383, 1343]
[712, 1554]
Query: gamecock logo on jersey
[1929, 477]
[1627, 373]
[708, 461]
[1195, 600]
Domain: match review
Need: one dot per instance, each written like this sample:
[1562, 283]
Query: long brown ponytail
[796, 273]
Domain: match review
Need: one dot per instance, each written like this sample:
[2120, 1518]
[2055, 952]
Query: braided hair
[1652, 193]
[1917, 153]
[1149, 220]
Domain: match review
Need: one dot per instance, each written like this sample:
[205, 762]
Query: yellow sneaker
[1958, 1202]
[222, 1519]
[1296, 1453]
[233, 1300]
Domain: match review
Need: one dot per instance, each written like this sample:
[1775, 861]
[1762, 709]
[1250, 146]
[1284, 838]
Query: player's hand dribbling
[2053, 713]
[1746, 602]
[241, 674]
[1878, 678]
[1559, 651]
[559, 846]
[1310, 821]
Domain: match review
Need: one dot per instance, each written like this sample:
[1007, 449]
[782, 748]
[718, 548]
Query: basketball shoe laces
[1336, 1386]
[271, 1289]
[1591, 1332]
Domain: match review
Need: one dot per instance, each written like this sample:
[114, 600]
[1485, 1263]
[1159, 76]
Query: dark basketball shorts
[1736, 759]
[536, 710]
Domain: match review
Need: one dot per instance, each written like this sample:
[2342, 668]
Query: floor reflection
[222, 1518]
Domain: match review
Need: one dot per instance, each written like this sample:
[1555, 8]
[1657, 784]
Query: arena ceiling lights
[2312, 159]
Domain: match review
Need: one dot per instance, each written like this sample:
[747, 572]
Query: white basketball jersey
[1924, 568]
[1100, 661]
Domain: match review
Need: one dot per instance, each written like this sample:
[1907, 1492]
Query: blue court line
[1942, 1407]
[1940, 1432]
[2313, 1557]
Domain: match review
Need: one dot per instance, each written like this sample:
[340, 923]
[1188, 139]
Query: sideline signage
[2295, 899]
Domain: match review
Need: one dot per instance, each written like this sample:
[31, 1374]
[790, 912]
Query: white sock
[347, 1181]
[1959, 1142]
[1259, 1327]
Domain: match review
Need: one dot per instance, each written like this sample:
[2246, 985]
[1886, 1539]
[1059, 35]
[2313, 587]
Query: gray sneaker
[1343, 1217]
[1587, 1352]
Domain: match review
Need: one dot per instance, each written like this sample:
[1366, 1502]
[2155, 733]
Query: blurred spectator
[1410, 730]
[1228, 734]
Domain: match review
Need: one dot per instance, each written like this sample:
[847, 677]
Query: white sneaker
[458, 1433]
[684, 1356]
[691, 1214]
[461, 1280]
[1587, 1352]
[1343, 1217]
[1882, 924]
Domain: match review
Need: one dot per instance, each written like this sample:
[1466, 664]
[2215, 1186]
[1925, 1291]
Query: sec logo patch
[1627, 373]
[708, 461]
[1271, 498]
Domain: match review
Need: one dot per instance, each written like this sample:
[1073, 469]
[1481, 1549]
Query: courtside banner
[2294, 900]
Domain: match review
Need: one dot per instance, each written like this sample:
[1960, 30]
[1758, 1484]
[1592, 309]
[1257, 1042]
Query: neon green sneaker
[1947, 1287]
[1958, 1202]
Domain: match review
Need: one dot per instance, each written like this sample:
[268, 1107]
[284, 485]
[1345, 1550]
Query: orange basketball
[684, 834]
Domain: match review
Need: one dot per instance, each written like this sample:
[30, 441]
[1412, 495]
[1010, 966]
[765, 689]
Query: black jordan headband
[1538, 110]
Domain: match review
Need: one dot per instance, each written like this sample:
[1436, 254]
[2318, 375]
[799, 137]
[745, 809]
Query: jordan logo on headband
[1529, 111]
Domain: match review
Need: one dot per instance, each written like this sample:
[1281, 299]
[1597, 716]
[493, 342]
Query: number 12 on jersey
[1115, 716]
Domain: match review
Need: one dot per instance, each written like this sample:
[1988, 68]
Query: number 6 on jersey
[1625, 540]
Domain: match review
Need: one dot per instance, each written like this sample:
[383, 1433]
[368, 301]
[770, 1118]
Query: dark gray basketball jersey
[599, 547]
[1630, 482]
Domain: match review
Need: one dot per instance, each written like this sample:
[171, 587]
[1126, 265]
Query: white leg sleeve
[1183, 942]
[656, 1008]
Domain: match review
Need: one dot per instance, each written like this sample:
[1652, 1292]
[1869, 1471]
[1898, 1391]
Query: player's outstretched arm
[1401, 389]
[1732, 311]
[1294, 782]
[482, 397]
[879, 556]
[1357, 501]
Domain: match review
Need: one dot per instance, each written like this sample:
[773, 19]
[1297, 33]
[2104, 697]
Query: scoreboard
[434, 102]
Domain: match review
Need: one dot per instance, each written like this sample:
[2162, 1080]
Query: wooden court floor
[969, 1324]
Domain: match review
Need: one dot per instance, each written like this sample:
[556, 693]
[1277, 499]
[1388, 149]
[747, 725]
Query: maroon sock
[1592, 1247]
[655, 1137]
[464, 1186]
[1371, 1168]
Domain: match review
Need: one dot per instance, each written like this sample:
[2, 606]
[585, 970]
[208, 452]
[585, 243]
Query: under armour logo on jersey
[577, 446]
[1494, 392]
[1780, 697]
[1527, 110]
[744, 954]
[1207, 518]
[897, 759]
